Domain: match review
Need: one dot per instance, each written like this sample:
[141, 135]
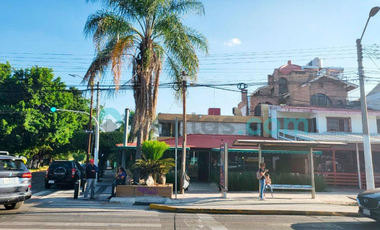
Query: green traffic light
[53, 109]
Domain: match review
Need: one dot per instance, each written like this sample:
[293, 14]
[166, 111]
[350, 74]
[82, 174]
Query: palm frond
[184, 7]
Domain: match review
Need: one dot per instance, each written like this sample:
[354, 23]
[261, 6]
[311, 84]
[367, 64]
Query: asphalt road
[56, 209]
[38, 181]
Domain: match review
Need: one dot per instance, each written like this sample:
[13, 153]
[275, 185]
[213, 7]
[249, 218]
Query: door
[203, 166]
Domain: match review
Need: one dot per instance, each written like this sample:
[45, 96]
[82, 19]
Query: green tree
[149, 33]
[25, 130]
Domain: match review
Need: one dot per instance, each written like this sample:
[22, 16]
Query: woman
[120, 180]
[261, 173]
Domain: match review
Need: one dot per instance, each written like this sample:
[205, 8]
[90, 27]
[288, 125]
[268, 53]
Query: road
[56, 209]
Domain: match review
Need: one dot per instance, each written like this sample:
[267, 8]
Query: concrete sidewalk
[341, 202]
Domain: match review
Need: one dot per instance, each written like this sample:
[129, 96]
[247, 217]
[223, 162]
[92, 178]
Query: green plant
[151, 162]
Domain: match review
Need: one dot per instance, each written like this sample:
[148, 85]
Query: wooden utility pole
[184, 123]
[90, 124]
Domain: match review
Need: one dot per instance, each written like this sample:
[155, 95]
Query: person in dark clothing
[91, 171]
[120, 180]
[262, 172]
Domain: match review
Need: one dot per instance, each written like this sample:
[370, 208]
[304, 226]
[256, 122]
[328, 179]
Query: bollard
[76, 189]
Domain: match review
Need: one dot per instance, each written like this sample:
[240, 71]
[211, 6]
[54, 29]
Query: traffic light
[45, 109]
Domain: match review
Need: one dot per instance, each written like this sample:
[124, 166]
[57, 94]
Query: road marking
[66, 224]
[211, 222]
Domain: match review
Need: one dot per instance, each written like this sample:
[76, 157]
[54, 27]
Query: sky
[248, 39]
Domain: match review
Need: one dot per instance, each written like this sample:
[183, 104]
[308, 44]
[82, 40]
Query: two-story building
[373, 98]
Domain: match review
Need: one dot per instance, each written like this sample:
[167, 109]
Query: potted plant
[152, 165]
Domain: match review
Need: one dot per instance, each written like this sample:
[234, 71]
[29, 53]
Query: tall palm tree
[148, 33]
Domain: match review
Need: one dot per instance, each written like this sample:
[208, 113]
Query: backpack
[258, 175]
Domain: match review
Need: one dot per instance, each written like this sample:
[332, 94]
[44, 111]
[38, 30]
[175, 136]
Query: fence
[347, 179]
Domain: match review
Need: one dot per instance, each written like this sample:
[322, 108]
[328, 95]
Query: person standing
[91, 171]
[262, 172]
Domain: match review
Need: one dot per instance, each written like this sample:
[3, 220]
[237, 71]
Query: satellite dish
[236, 111]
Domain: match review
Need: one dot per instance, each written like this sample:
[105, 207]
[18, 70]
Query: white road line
[66, 224]
[210, 222]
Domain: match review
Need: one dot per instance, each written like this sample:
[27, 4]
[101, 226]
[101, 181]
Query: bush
[247, 181]
[170, 178]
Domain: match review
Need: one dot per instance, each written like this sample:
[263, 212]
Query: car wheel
[13, 206]
[47, 186]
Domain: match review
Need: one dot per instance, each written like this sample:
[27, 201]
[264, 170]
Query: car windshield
[9, 164]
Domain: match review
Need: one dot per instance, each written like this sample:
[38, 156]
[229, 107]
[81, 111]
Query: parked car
[369, 203]
[64, 173]
[15, 182]
[4, 153]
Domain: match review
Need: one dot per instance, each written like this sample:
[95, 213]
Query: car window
[9, 164]
[56, 164]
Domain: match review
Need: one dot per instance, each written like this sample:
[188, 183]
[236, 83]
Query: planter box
[143, 190]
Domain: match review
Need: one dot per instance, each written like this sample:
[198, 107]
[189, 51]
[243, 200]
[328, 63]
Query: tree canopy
[24, 130]
[150, 35]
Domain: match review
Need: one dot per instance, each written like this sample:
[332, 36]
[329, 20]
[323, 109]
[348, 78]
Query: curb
[168, 208]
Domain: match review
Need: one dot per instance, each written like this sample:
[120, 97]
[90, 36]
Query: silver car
[15, 182]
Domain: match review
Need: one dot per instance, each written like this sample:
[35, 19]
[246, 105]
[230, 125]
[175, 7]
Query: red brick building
[297, 85]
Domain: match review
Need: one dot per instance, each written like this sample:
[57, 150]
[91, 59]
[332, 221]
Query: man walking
[91, 171]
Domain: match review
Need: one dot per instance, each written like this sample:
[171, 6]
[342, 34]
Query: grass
[44, 168]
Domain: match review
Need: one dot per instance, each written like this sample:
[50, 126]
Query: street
[56, 209]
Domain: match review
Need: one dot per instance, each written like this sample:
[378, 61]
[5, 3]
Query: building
[341, 165]
[295, 85]
[373, 99]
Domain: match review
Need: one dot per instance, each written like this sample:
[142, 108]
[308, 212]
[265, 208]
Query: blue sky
[248, 39]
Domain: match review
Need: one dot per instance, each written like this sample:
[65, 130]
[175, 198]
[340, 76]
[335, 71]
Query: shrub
[247, 181]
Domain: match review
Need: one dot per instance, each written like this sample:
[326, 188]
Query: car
[4, 153]
[64, 173]
[15, 182]
[369, 203]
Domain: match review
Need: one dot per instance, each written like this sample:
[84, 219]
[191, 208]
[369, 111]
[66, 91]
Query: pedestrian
[261, 174]
[120, 180]
[91, 171]
[268, 183]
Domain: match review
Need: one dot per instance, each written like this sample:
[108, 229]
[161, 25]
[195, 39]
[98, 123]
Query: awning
[266, 151]
[134, 147]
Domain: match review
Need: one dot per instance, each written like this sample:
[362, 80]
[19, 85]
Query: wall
[216, 128]
[356, 122]
[373, 101]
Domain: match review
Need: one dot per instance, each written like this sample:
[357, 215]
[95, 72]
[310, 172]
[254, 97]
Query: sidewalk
[103, 188]
[338, 202]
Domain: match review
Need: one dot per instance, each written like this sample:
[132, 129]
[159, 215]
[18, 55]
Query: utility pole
[90, 124]
[184, 123]
[96, 156]
[370, 180]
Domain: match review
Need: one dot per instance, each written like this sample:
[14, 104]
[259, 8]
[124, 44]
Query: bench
[292, 187]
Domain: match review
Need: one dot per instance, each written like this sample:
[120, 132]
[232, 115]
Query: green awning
[266, 151]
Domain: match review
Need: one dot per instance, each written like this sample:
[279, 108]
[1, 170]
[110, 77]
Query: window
[282, 86]
[339, 103]
[338, 124]
[320, 100]
[166, 130]
[378, 126]
[257, 111]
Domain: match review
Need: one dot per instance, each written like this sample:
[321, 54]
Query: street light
[370, 181]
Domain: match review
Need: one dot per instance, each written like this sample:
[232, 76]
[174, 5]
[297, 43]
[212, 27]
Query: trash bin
[76, 189]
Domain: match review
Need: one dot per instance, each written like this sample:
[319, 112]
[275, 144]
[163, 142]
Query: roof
[286, 144]
[233, 150]
[352, 138]
[374, 90]
[289, 67]
[207, 141]
[205, 118]
[353, 86]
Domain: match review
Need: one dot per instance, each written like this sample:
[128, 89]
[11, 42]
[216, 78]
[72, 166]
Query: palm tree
[148, 33]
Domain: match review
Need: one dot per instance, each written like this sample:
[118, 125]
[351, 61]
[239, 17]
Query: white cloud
[233, 42]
